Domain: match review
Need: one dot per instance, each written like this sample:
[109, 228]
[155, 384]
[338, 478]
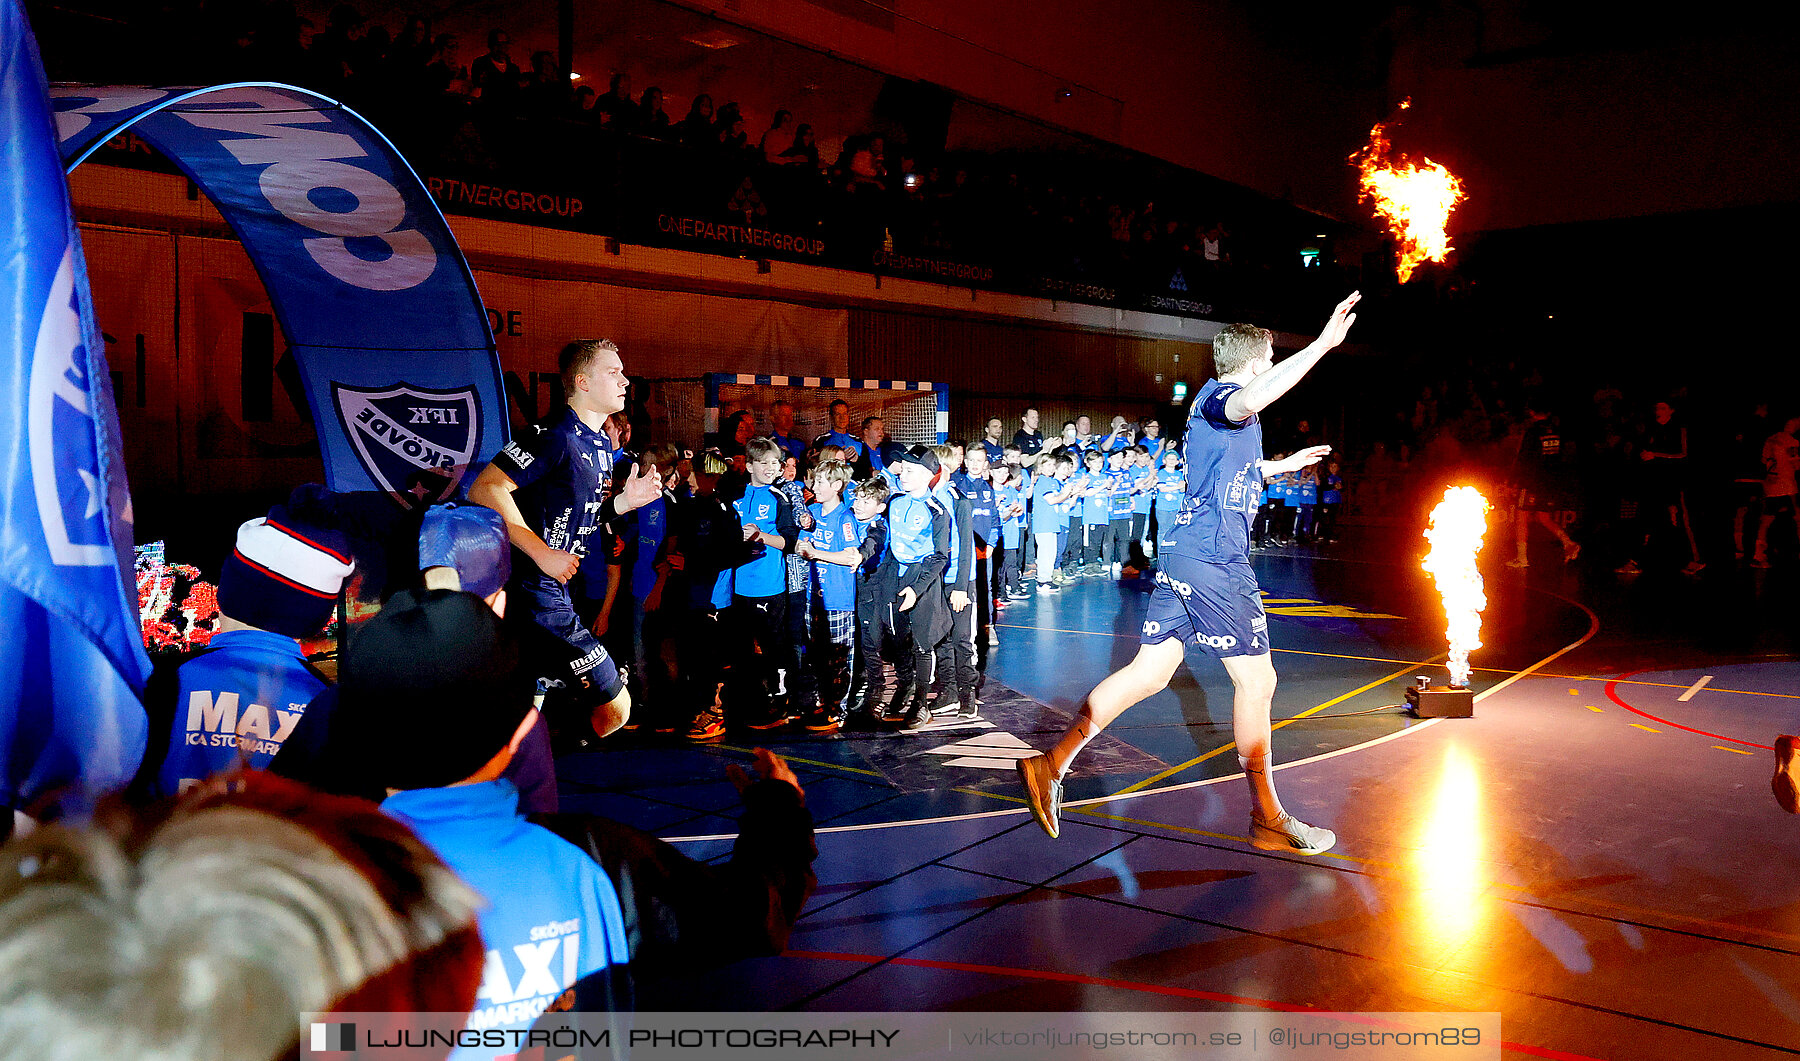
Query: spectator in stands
[777, 140]
[696, 130]
[729, 132]
[494, 77]
[1028, 438]
[581, 106]
[546, 89]
[198, 929]
[621, 110]
[235, 703]
[652, 120]
[803, 151]
[446, 75]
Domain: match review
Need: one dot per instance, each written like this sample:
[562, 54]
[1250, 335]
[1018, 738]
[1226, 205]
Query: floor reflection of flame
[1448, 868]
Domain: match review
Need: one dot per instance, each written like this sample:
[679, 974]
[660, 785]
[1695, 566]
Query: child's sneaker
[1288, 833]
[709, 725]
[1046, 587]
[918, 712]
[775, 719]
[822, 721]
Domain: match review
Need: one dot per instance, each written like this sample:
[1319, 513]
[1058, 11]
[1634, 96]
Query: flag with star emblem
[72, 660]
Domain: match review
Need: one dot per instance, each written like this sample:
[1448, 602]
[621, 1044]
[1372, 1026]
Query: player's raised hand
[1341, 320]
[1305, 458]
[641, 489]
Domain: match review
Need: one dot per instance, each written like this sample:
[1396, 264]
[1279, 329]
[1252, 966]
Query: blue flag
[72, 661]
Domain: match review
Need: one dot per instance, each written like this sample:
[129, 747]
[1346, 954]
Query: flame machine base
[1441, 702]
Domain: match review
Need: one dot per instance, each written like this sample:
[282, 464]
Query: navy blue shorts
[564, 652]
[1216, 608]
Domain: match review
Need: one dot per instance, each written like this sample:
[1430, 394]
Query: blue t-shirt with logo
[1120, 483]
[910, 527]
[651, 524]
[1214, 522]
[1171, 486]
[1096, 507]
[1306, 489]
[1011, 526]
[833, 532]
[552, 914]
[1046, 516]
[984, 517]
[1141, 501]
[238, 701]
[1333, 492]
[764, 575]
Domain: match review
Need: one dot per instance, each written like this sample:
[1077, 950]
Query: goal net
[688, 410]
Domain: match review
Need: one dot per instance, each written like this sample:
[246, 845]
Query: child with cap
[869, 501]
[918, 615]
[241, 698]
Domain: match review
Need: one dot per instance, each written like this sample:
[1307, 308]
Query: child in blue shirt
[760, 598]
[1010, 504]
[1049, 493]
[1121, 484]
[1171, 487]
[1143, 495]
[831, 594]
[1096, 513]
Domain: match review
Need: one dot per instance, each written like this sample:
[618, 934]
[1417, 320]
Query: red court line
[1612, 694]
[1134, 985]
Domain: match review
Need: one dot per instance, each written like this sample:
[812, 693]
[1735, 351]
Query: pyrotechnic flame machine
[1457, 526]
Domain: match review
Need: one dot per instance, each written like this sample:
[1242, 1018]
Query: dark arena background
[1008, 205]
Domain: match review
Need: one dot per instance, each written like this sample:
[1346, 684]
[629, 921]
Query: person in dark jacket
[918, 615]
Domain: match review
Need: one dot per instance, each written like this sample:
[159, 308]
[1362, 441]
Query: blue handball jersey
[1220, 503]
[765, 574]
[1046, 516]
[552, 914]
[238, 701]
[833, 532]
[562, 469]
[1171, 487]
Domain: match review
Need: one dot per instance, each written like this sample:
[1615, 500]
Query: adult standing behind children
[1028, 438]
[551, 488]
[1205, 589]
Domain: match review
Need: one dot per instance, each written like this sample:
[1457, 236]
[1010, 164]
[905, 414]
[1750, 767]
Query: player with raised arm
[1205, 590]
[551, 489]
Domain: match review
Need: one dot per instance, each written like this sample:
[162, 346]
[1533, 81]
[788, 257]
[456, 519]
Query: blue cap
[469, 539]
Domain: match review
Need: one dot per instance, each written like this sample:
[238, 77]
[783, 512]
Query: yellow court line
[808, 762]
[1739, 751]
[1154, 778]
[1591, 707]
[1646, 729]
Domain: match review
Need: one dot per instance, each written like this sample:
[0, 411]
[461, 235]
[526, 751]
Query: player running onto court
[551, 489]
[1205, 590]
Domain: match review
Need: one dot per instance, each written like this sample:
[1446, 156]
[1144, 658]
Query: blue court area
[1596, 855]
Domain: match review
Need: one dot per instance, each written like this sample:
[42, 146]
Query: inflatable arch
[375, 298]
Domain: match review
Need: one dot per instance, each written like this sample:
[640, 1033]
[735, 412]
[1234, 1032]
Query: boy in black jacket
[918, 615]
